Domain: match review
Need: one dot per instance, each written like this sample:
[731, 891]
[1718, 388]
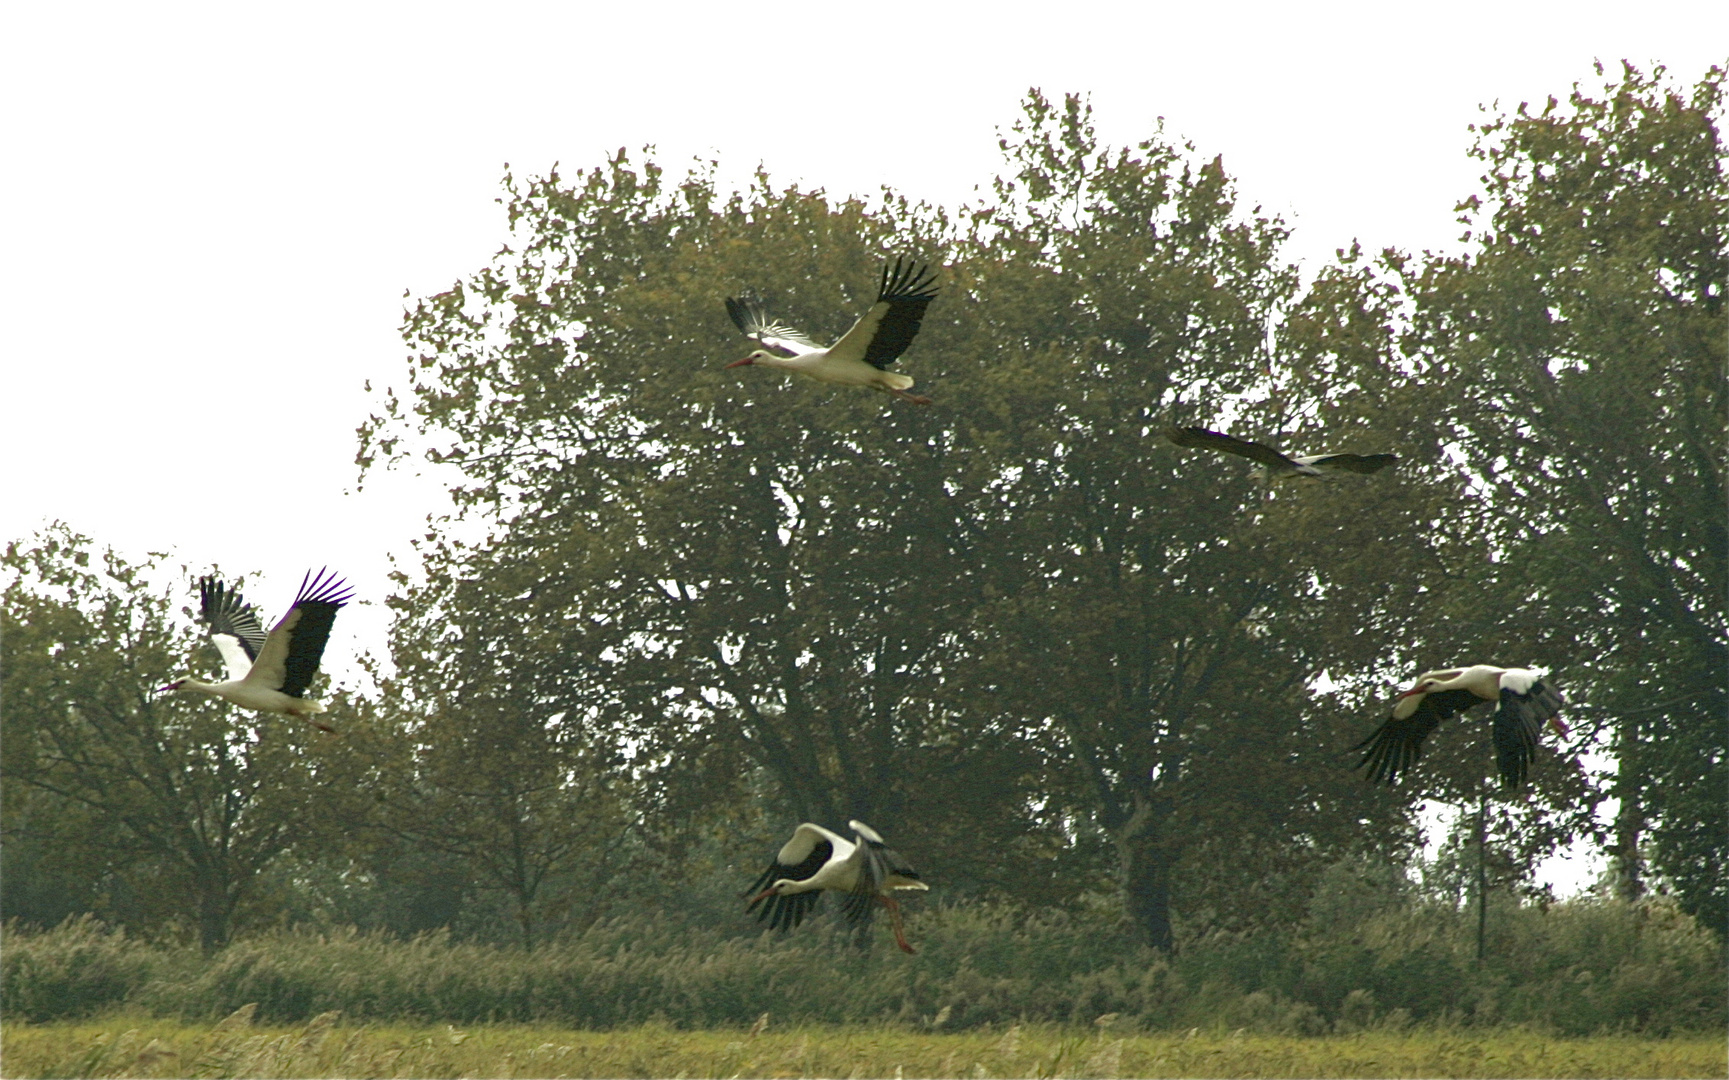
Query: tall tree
[1162, 613]
[474, 774]
[726, 571]
[187, 800]
[1583, 344]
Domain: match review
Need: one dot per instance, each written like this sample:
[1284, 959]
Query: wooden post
[1482, 870]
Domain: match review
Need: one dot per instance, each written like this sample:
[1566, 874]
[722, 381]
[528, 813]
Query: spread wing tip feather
[325, 587]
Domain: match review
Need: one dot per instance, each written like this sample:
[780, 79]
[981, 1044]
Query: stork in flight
[269, 672]
[815, 860]
[1526, 701]
[1274, 465]
[862, 356]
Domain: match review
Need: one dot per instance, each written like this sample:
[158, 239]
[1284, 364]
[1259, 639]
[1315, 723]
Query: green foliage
[79, 969]
[175, 804]
[1017, 620]
[1051, 656]
[1576, 968]
[1583, 347]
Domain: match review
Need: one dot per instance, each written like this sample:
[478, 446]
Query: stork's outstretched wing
[1395, 746]
[885, 331]
[1199, 438]
[1518, 722]
[289, 658]
[799, 859]
[1357, 463]
[234, 626]
[748, 315]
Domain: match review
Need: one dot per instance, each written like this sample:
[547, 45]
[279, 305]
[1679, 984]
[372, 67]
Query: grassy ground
[142, 1047]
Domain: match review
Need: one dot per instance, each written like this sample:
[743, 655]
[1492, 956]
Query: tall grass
[1576, 968]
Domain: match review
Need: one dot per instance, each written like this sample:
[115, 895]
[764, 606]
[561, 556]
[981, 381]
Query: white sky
[210, 213]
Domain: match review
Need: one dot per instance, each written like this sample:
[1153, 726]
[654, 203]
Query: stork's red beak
[766, 892]
[1560, 726]
[171, 686]
[1408, 693]
[741, 363]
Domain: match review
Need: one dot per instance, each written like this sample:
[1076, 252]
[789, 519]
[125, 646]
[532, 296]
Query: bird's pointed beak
[1560, 726]
[170, 686]
[741, 363]
[1408, 693]
[761, 896]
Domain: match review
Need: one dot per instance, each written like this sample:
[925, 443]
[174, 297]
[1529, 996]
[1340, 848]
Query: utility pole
[1482, 868]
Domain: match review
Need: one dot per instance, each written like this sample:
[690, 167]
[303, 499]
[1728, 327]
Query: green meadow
[325, 1046]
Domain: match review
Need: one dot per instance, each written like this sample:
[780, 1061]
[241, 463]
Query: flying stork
[1274, 465]
[815, 860]
[1526, 701]
[862, 356]
[269, 672]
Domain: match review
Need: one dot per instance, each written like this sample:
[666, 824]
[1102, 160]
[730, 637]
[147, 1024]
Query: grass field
[142, 1047]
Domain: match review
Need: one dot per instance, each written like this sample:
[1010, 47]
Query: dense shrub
[1574, 968]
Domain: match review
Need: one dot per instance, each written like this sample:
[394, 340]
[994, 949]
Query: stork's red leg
[895, 921]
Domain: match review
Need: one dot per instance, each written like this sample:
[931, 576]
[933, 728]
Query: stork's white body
[1525, 702]
[268, 672]
[831, 365]
[250, 694]
[1484, 680]
[816, 861]
[861, 356]
[1270, 464]
[841, 872]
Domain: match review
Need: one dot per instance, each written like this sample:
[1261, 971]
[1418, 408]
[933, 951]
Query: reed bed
[1576, 969]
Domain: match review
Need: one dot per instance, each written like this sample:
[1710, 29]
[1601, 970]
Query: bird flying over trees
[815, 860]
[1526, 702]
[1274, 465]
[863, 354]
[269, 672]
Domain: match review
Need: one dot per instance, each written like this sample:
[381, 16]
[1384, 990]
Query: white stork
[1525, 703]
[815, 860]
[269, 673]
[862, 356]
[1274, 465]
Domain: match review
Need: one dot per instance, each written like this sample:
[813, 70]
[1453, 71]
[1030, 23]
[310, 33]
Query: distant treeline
[1058, 662]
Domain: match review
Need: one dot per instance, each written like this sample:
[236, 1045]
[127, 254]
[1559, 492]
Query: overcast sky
[211, 213]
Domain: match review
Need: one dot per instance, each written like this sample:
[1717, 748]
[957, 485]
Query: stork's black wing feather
[786, 912]
[1395, 746]
[908, 291]
[750, 317]
[226, 612]
[1518, 722]
[1199, 438]
[878, 863]
[307, 625]
[1357, 463]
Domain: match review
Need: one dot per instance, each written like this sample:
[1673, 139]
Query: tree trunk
[214, 908]
[525, 919]
[1630, 818]
[1145, 863]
